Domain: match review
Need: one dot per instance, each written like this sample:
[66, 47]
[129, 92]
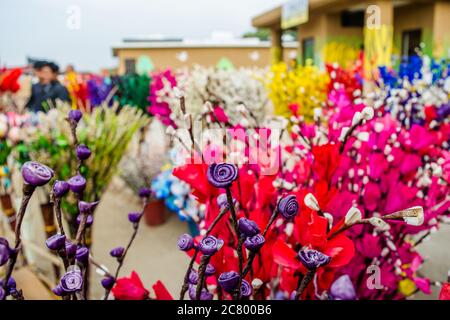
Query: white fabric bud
[343, 133]
[353, 215]
[257, 283]
[367, 113]
[311, 202]
[329, 218]
[357, 117]
[416, 220]
[363, 136]
[178, 93]
[170, 130]
[289, 229]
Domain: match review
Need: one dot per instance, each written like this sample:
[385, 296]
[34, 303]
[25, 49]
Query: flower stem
[252, 255]
[185, 286]
[81, 228]
[272, 219]
[240, 239]
[248, 266]
[28, 191]
[122, 259]
[348, 135]
[306, 280]
[393, 216]
[201, 276]
[237, 294]
[57, 211]
[130, 242]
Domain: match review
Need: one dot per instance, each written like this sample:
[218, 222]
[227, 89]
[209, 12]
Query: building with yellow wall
[336, 30]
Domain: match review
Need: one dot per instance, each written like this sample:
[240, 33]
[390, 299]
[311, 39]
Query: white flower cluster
[146, 155]
[229, 89]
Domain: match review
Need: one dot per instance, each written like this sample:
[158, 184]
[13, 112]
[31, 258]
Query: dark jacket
[41, 93]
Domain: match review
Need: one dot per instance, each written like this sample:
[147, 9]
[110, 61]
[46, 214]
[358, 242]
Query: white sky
[38, 28]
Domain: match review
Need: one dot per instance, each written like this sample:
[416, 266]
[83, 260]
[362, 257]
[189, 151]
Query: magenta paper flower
[377, 165]
[372, 196]
[369, 246]
[220, 114]
[420, 138]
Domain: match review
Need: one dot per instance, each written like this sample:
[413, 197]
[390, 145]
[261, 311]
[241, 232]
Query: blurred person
[70, 68]
[77, 87]
[37, 67]
[48, 89]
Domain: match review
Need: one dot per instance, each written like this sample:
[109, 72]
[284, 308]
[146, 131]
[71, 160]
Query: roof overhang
[268, 19]
[272, 18]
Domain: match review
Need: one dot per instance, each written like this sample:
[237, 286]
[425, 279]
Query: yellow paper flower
[3, 172]
[72, 83]
[166, 166]
[303, 85]
[407, 287]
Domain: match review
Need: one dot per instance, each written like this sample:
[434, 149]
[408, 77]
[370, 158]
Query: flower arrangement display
[327, 199]
[227, 89]
[132, 90]
[228, 92]
[73, 250]
[100, 89]
[9, 80]
[90, 90]
[418, 94]
[354, 192]
[76, 84]
[9, 85]
[161, 96]
[145, 157]
[297, 90]
[177, 194]
[11, 125]
[387, 168]
[49, 142]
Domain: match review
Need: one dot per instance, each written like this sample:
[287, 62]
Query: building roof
[191, 43]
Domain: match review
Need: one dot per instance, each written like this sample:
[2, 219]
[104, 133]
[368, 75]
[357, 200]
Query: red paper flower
[311, 231]
[195, 176]
[9, 81]
[445, 292]
[130, 288]
[326, 160]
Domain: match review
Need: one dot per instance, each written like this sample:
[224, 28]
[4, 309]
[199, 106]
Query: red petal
[195, 176]
[161, 292]
[136, 279]
[284, 255]
[445, 292]
[130, 288]
[341, 250]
